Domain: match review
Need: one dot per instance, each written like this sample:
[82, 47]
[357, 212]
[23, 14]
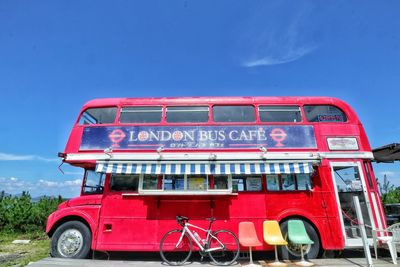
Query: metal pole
[362, 230]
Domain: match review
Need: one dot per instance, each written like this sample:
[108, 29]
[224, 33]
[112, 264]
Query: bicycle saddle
[212, 219]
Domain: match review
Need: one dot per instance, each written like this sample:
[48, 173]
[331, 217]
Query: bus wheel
[292, 251]
[71, 240]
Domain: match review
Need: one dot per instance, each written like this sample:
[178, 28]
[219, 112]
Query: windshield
[93, 183]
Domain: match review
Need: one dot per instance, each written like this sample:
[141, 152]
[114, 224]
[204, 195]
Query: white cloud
[14, 185]
[13, 157]
[74, 173]
[278, 34]
[76, 182]
[289, 56]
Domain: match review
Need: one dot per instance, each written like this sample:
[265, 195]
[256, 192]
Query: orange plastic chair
[248, 238]
[273, 236]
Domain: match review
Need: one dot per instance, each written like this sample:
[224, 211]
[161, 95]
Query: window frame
[99, 187]
[207, 190]
[128, 190]
[142, 123]
[281, 189]
[346, 117]
[255, 113]
[244, 178]
[187, 122]
[299, 109]
[97, 124]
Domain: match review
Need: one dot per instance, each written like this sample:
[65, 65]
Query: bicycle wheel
[228, 245]
[175, 249]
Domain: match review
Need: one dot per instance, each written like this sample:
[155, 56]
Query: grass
[22, 254]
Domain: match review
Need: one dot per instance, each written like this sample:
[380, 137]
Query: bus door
[348, 180]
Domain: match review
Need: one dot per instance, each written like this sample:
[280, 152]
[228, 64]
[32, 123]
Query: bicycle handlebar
[182, 220]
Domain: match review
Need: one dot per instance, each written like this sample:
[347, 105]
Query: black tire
[292, 252]
[72, 239]
[175, 255]
[230, 247]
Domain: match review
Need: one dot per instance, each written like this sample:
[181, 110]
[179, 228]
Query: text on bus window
[324, 113]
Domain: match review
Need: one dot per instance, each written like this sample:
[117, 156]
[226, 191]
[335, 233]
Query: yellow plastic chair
[273, 236]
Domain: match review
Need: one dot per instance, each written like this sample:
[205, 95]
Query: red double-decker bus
[147, 160]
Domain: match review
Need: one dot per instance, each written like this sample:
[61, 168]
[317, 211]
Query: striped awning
[204, 168]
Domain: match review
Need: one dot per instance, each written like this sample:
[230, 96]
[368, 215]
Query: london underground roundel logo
[143, 136]
[278, 135]
[116, 136]
[177, 136]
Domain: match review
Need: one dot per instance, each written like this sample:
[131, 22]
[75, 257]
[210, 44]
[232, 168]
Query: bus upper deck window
[187, 114]
[279, 113]
[324, 113]
[234, 114]
[98, 116]
[141, 114]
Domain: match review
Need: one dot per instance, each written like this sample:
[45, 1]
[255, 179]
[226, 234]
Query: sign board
[197, 137]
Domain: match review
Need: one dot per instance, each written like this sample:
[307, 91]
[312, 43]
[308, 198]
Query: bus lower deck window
[303, 181]
[272, 182]
[174, 182]
[246, 183]
[124, 182]
[220, 182]
[197, 183]
[150, 182]
[288, 182]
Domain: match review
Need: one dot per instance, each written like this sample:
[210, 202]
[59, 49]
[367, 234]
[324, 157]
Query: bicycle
[222, 246]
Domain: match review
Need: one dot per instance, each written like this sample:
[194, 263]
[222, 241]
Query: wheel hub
[70, 243]
[295, 249]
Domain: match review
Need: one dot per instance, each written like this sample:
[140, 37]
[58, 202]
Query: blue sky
[56, 55]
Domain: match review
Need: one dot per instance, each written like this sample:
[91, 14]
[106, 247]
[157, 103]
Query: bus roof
[217, 100]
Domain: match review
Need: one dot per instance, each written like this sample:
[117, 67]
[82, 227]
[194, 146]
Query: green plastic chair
[297, 234]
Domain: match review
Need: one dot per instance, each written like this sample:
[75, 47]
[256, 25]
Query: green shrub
[19, 214]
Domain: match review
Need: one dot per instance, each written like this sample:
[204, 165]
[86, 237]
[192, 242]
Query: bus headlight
[342, 143]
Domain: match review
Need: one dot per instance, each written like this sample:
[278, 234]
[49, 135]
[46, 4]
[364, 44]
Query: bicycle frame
[209, 235]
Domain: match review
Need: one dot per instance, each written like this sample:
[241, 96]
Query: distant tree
[389, 193]
[20, 214]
